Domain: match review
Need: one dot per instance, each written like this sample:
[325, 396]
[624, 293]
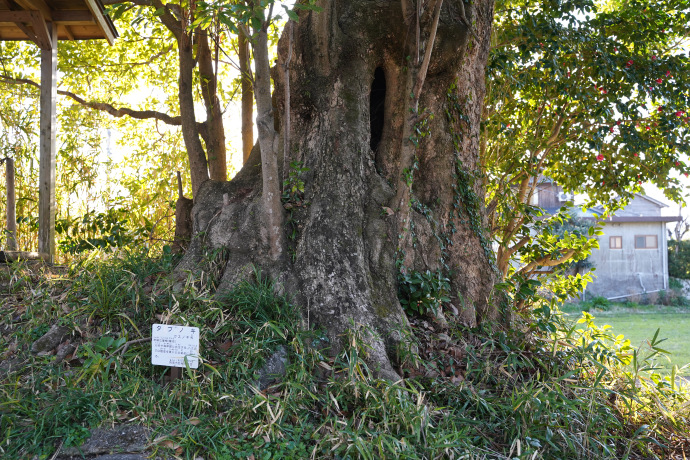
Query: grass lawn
[639, 325]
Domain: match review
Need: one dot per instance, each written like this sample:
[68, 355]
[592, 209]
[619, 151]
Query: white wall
[630, 270]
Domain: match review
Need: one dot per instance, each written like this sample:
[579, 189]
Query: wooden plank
[11, 206]
[97, 12]
[46, 176]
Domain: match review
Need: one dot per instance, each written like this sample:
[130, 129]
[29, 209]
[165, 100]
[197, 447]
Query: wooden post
[46, 186]
[11, 207]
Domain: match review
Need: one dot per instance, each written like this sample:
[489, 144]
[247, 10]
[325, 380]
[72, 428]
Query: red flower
[618, 123]
[668, 73]
[629, 63]
[647, 128]
[659, 80]
[611, 129]
[654, 58]
[637, 155]
[686, 174]
[677, 164]
[659, 109]
[600, 157]
[679, 114]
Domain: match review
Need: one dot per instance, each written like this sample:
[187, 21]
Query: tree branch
[421, 75]
[547, 262]
[105, 107]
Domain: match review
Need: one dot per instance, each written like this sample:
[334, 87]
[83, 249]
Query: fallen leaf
[225, 346]
[194, 421]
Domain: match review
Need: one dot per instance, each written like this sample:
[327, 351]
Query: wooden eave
[75, 20]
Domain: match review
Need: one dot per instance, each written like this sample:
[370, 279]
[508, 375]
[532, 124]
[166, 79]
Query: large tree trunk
[349, 83]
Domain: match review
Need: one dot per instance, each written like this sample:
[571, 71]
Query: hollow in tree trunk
[387, 178]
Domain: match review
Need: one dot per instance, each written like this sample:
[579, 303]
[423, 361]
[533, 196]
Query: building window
[646, 242]
[616, 242]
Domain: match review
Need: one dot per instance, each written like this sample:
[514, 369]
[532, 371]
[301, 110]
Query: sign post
[175, 347]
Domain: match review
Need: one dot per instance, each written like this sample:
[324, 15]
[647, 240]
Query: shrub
[421, 292]
[679, 259]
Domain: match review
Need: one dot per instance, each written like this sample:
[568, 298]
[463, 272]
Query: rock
[54, 337]
[122, 439]
[142, 456]
[63, 351]
[274, 368]
[10, 365]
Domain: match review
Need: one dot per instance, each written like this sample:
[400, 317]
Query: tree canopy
[592, 95]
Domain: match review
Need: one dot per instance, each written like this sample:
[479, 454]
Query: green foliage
[624, 114]
[99, 231]
[675, 284]
[596, 303]
[423, 292]
[293, 186]
[679, 259]
[99, 357]
[588, 95]
[558, 392]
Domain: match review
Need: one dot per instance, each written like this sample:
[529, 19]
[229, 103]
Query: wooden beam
[46, 175]
[69, 33]
[97, 12]
[11, 206]
[83, 16]
[19, 18]
[16, 16]
[38, 33]
[39, 5]
[41, 31]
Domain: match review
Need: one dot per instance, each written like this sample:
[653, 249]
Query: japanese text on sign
[171, 344]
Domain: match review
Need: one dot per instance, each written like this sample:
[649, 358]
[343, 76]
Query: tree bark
[343, 247]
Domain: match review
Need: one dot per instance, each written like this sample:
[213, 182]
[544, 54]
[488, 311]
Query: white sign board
[170, 345]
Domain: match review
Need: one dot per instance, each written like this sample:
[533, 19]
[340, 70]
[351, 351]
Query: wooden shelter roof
[75, 20]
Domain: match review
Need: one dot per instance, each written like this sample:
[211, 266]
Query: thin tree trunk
[247, 98]
[11, 207]
[195, 151]
[215, 138]
[272, 207]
